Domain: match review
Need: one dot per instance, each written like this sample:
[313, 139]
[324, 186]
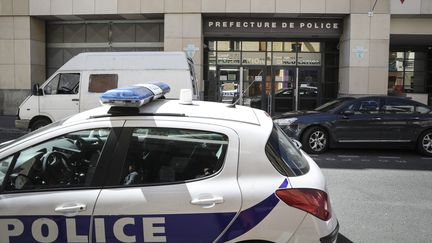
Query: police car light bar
[134, 96]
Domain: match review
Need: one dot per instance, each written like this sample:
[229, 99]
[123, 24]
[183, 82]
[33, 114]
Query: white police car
[169, 171]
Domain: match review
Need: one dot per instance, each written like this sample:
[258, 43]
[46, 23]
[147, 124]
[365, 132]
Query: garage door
[66, 39]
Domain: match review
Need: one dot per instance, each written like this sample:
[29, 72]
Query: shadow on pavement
[343, 239]
[373, 159]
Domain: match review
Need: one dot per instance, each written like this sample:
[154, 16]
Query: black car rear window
[284, 155]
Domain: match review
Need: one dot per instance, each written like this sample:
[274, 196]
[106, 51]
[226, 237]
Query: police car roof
[199, 109]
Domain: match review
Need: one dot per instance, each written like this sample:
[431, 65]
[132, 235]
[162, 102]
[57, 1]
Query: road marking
[388, 157]
[348, 156]
[383, 160]
[332, 159]
[426, 158]
[365, 160]
[401, 161]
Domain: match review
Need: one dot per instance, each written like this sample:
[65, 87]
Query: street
[377, 195]
[380, 195]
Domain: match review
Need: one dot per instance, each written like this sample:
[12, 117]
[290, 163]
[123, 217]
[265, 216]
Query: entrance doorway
[273, 89]
[294, 88]
[240, 84]
[275, 76]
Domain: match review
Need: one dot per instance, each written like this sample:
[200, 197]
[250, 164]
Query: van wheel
[424, 144]
[315, 140]
[38, 123]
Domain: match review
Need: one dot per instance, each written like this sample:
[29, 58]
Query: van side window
[63, 83]
[167, 155]
[100, 83]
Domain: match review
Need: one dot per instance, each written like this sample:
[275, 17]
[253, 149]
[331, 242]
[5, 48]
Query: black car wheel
[41, 122]
[425, 143]
[315, 140]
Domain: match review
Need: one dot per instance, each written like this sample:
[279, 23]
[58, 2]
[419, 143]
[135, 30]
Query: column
[183, 32]
[364, 53]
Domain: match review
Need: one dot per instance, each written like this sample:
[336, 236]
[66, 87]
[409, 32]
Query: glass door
[308, 87]
[284, 87]
[229, 82]
[252, 87]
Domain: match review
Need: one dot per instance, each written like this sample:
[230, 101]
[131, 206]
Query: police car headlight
[285, 122]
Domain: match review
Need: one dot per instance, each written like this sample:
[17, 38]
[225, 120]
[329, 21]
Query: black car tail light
[315, 202]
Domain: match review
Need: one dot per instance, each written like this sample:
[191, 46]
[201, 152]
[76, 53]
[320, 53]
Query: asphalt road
[380, 195]
[377, 195]
[7, 129]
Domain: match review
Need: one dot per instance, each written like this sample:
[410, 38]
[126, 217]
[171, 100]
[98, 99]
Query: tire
[38, 123]
[315, 140]
[424, 143]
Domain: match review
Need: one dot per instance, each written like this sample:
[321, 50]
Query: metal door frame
[319, 83]
[219, 82]
[263, 76]
[273, 71]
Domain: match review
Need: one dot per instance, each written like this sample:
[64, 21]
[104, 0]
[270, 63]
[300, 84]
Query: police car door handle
[70, 208]
[207, 202]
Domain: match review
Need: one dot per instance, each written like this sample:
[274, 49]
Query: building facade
[277, 55]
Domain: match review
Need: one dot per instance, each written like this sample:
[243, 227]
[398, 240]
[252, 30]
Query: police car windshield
[284, 155]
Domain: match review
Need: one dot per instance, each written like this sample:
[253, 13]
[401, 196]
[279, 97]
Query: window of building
[163, 155]
[99, 83]
[408, 71]
[270, 56]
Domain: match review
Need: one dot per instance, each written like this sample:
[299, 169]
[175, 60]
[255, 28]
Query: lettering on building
[252, 25]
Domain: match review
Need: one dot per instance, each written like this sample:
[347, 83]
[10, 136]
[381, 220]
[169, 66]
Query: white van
[77, 85]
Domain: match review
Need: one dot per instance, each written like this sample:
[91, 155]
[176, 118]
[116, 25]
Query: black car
[284, 97]
[374, 121]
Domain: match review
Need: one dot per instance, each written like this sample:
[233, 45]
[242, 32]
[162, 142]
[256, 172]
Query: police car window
[284, 155]
[163, 155]
[66, 161]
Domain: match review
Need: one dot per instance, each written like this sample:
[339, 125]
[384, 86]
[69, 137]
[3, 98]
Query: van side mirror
[36, 90]
[348, 113]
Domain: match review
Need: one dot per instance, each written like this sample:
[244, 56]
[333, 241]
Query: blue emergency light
[136, 95]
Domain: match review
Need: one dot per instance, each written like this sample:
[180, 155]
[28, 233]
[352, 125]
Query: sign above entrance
[277, 26]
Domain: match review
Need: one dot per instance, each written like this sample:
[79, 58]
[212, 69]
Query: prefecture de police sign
[303, 26]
